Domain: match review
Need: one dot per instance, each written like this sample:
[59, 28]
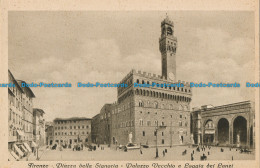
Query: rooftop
[211, 107]
[28, 88]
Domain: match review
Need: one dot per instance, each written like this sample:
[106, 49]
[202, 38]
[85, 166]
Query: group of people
[202, 148]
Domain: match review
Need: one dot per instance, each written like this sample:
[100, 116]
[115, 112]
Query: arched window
[137, 81]
[155, 105]
[169, 31]
[141, 122]
[162, 106]
[180, 107]
[141, 104]
[137, 91]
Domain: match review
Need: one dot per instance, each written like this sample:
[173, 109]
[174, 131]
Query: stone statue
[130, 137]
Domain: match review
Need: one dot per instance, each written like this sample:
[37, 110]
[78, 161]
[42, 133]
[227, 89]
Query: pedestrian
[163, 153]
[193, 151]
[141, 151]
[192, 158]
[208, 153]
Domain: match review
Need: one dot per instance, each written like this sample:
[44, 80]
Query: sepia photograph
[138, 85]
[131, 85]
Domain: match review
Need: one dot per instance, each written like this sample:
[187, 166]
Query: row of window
[148, 104]
[162, 95]
[148, 123]
[156, 105]
[17, 119]
[106, 115]
[163, 116]
[71, 127]
[70, 122]
[162, 133]
[72, 133]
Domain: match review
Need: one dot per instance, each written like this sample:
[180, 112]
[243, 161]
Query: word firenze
[62, 165]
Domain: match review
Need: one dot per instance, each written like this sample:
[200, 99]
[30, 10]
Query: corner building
[140, 110]
[68, 131]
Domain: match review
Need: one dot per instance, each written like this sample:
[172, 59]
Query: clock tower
[168, 46]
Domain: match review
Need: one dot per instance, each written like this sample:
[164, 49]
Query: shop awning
[34, 144]
[14, 155]
[27, 147]
[18, 150]
[21, 133]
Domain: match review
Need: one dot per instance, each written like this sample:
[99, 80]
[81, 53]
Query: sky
[103, 46]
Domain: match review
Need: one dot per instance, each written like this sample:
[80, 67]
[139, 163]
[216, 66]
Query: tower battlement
[151, 76]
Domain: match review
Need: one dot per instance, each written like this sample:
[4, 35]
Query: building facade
[27, 108]
[39, 126]
[49, 132]
[101, 126]
[140, 111]
[72, 130]
[20, 119]
[15, 115]
[226, 125]
[95, 124]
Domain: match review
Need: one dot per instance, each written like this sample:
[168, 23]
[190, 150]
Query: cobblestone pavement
[174, 153]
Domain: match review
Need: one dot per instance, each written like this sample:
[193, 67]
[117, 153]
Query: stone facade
[72, 130]
[39, 126]
[20, 119]
[95, 126]
[226, 125]
[15, 115]
[140, 111]
[49, 133]
[101, 126]
[27, 112]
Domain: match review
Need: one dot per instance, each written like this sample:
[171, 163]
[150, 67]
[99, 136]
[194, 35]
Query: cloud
[75, 51]
[219, 57]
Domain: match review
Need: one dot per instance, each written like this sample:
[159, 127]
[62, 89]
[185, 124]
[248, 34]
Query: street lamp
[37, 153]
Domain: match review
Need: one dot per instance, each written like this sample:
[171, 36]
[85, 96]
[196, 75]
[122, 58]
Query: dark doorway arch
[240, 131]
[223, 131]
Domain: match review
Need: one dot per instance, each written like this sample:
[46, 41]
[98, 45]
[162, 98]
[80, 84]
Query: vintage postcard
[151, 84]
